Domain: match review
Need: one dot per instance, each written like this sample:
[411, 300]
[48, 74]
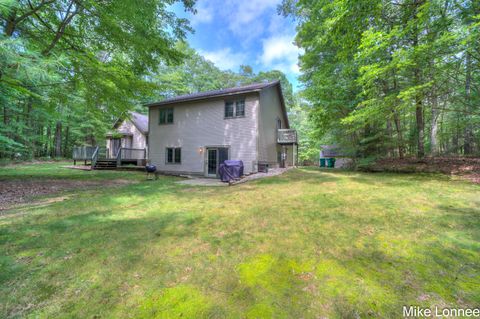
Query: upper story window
[240, 108]
[234, 108]
[165, 116]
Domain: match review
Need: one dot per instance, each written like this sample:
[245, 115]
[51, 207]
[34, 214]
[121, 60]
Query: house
[129, 132]
[193, 134]
[127, 143]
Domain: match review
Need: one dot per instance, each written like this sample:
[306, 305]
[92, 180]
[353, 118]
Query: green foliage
[392, 78]
[69, 68]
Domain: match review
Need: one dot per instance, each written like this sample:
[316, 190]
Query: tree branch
[61, 28]
[33, 10]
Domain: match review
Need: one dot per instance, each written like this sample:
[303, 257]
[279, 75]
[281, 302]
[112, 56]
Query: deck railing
[130, 154]
[95, 157]
[133, 153]
[286, 136]
[83, 153]
[95, 153]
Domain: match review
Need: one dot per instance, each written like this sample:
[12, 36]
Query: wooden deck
[99, 158]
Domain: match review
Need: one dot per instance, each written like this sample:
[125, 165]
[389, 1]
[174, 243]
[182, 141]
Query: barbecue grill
[151, 171]
[230, 170]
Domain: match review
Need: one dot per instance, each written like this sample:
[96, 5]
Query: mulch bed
[468, 168]
[14, 192]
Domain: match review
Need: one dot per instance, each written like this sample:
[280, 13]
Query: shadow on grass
[298, 175]
[95, 247]
[84, 235]
[95, 243]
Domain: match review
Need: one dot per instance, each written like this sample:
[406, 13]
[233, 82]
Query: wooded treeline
[392, 77]
[70, 68]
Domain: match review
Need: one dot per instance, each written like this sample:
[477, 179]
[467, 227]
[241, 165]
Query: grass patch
[310, 243]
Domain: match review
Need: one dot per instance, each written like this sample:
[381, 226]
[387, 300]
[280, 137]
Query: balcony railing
[286, 136]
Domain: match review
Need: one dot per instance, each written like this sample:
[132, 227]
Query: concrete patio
[202, 181]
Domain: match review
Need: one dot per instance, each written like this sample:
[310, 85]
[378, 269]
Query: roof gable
[139, 120]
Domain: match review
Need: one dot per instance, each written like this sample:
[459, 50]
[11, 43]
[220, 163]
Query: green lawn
[308, 244]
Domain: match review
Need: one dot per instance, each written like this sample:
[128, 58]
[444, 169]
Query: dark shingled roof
[140, 121]
[256, 87]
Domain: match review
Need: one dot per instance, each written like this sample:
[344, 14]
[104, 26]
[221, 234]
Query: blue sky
[231, 33]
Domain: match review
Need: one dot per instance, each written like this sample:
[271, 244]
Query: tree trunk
[58, 139]
[29, 131]
[455, 139]
[434, 127]
[10, 23]
[468, 135]
[398, 128]
[389, 142]
[65, 146]
[46, 150]
[420, 127]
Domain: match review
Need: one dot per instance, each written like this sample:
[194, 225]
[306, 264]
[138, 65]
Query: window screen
[166, 116]
[229, 109]
[178, 155]
[173, 155]
[240, 108]
[235, 108]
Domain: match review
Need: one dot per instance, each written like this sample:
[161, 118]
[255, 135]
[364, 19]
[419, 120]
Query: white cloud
[224, 58]
[205, 13]
[244, 13]
[280, 53]
[246, 19]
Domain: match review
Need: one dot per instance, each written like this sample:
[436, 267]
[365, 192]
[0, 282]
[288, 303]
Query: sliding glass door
[215, 157]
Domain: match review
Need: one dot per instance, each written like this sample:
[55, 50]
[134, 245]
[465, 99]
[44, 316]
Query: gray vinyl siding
[200, 124]
[138, 139]
[270, 109]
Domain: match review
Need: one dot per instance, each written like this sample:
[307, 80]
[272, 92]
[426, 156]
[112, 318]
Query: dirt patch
[468, 168]
[80, 167]
[33, 162]
[14, 192]
[271, 172]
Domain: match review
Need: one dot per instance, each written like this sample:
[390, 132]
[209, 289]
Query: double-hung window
[229, 108]
[240, 108]
[166, 116]
[173, 155]
[234, 109]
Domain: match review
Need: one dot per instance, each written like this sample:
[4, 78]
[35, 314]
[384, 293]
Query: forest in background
[379, 78]
[70, 69]
[391, 78]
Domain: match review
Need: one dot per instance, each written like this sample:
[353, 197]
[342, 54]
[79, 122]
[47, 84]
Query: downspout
[255, 168]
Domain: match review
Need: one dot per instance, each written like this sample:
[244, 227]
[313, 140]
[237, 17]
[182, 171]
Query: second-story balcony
[286, 136]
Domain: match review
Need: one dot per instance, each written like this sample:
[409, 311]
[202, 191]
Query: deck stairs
[101, 158]
[105, 164]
